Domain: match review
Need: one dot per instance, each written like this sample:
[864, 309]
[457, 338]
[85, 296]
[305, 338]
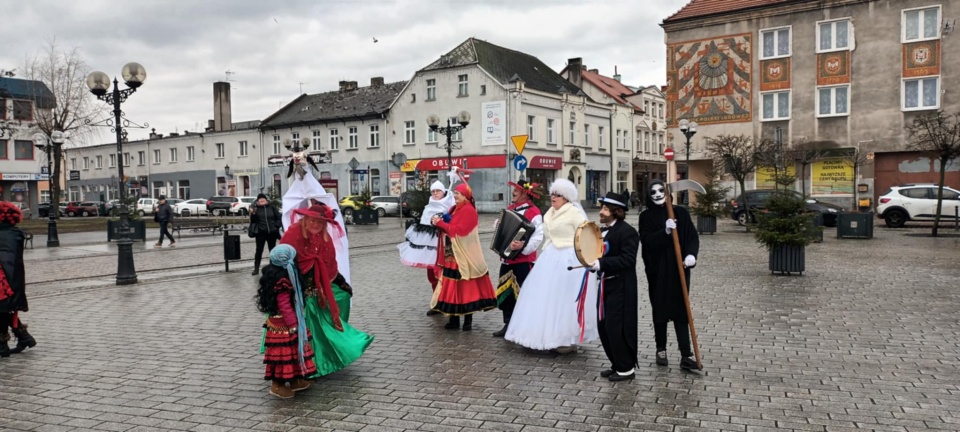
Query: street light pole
[433, 121]
[688, 129]
[133, 75]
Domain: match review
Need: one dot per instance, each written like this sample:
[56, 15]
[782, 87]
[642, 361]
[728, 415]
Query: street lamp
[51, 146]
[688, 129]
[99, 83]
[433, 121]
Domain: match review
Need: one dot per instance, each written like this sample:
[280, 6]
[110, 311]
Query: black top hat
[615, 199]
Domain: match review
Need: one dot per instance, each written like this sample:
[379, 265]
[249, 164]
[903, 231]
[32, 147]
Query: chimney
[595, 71]
[616, 75]
[346, 86]
[575, 66]
[153, 133]
[376, 81]
[221, 107]
[209, 126]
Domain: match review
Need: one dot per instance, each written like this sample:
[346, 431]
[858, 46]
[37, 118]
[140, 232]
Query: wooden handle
[683, 282]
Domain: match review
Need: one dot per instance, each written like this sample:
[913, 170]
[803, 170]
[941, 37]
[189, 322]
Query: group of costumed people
[306, 295]
[545, 304]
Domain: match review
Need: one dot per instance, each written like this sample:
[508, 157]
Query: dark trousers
[520, 272]
[6, 321]
[270, 239]
[165, 232]
[614, 345]
[683, 337]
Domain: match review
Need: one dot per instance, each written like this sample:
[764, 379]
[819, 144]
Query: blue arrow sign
[520, 163]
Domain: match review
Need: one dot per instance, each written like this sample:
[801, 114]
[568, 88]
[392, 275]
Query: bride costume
[420, 249]
[299, 196]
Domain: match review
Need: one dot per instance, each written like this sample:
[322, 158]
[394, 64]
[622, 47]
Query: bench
[196, 226]
[27, 237]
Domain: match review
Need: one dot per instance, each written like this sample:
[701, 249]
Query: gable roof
[505, 65]
[360, 103]
[701, 8]
[611, 87]
[15, 88]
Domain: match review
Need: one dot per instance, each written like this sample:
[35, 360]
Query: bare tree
[804, 153]
[741, 155]
[64, 73]
[937, 135]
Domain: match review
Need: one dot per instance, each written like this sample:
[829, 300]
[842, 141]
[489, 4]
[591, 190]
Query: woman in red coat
[465, 286]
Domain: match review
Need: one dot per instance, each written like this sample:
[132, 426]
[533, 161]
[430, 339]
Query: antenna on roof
[229, 74]
[301, 87]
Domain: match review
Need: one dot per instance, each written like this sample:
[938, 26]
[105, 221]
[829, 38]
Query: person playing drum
[513, 272]
[552, 311]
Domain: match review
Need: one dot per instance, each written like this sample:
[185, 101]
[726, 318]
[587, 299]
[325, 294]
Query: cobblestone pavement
[866, 339]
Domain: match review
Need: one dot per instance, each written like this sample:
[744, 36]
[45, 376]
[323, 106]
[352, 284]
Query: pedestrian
[326, 293]
[634, 199]
[420, 249]
[663, 278]
[265, 226]
[548, 315]
[163, 215]
[13, 295]
[617, 272]
[288, 355]
[464, 286]
[514, 271]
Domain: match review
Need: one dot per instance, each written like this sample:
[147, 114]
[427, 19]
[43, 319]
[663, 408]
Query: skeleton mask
[657, 194]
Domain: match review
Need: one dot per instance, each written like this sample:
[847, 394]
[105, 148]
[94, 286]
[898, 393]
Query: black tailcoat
[660, 260]
[618, 266]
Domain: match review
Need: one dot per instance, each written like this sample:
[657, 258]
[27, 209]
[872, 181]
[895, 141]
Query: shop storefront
[543, 169]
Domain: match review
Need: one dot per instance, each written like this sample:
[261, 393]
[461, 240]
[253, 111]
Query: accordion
[511, 226]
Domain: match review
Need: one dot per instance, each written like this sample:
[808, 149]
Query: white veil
[298, 196]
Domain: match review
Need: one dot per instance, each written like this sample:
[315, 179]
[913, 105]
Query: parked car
[386, 205]
[191, 207]
[916, 202]
[758, 199]
[44, 209]
[221, 205]
[146, 206]
[349, 204]
[85, 208]
[242, 206]
[408, 210]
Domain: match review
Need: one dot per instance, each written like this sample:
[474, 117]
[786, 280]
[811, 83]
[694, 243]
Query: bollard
[231, 248]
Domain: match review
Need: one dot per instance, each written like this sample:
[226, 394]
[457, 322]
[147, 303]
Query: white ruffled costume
[299, 195]
[546, 313]
[420, 249]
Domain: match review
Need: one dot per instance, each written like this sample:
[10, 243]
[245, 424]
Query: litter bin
[231, 248]
[855, 225]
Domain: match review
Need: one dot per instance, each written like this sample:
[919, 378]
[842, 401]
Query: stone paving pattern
[866, 339]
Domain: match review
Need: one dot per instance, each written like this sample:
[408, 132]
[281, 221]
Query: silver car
[386, 205]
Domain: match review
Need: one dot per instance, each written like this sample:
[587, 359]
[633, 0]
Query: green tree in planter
[363, 200]
[418, 197]
[710, 203]
[784, 222]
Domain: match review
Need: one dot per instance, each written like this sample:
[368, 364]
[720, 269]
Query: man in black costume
[13, 296]
[660, 266]
[617, 305]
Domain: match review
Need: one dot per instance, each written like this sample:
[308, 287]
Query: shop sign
[469, 162]
[546, 162]
[16, 176]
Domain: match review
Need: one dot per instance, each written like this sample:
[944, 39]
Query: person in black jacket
[266, 223]
[164, 215]
[13, 296]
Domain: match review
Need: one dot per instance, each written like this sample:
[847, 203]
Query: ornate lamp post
[688, 129]
[51, 146]
[433, 121]
[99, 83]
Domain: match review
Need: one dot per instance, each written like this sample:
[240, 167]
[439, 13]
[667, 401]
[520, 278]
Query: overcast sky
[271, 47]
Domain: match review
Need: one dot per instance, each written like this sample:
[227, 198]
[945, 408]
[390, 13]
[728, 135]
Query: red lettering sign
[469, 162]
[546, 162]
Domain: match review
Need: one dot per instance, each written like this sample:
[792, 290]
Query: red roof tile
[610, 86]
[699, 8]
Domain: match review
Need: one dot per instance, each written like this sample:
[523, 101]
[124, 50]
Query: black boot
[468, 323]
[4, 348]
[256, 271]
[453, 323]
[24, 340]
[502, 332]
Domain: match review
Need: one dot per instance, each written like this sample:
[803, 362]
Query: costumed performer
[420, 249]
[513, 272]
[13, 293]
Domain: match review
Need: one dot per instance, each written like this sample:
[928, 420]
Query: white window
[775, 43]
[573, 127]
[586, 135]
[126, 159]
[221, 151]
[99, 162]
[551, 132]
[276, 142]
[73, 163]
[86, 162]
[431, 89]
[409, 132]
[834, 35]
[244, 149]
[775, 106]
[921, 24]
[317, 140]
[458, 135]
[921, 93]
[191, 154]
[462, 87]
[374, 136]
[352, 139]
[334, 139]
[617, 143]
[295, 139]
[833, 101]
[432, 136]
[156, 156]
[113, 161]
[173, 155]
[531, 128]
[141, 158]
[600, 141]
[646, 142]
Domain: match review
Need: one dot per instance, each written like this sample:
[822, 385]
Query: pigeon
[375, 40]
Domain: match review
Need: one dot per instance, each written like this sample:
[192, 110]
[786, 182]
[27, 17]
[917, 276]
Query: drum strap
[582, 302]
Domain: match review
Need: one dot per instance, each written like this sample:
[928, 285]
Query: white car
[191, 207]
[917, 202]
[242, 206]
[145, 206]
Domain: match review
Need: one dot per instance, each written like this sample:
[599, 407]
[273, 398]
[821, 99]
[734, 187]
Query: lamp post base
[126, 272]
[53, 239]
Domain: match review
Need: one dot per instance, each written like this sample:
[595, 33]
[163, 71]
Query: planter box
[138, 230]
[855, 225]
[366, 217]
[817, 234]
[707, 224]
[788, 259]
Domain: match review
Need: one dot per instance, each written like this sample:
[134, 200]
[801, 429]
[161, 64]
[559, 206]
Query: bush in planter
[709, 205]
[785, 229]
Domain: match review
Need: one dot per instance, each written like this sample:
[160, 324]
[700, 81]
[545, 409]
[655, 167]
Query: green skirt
[333, 349]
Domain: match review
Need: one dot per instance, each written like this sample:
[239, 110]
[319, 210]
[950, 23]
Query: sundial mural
[708, 80]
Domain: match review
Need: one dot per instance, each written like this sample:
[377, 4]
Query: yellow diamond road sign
[519, 141]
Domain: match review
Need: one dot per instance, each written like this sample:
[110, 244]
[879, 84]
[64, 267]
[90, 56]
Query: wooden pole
[683, 282]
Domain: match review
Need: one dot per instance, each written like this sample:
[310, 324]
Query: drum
[588, 243]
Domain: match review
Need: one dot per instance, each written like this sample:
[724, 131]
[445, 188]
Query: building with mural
[847, 75]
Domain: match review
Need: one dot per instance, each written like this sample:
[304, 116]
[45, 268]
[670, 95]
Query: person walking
[13, 295]
[265, 226]
[513, 272]
[164, 215]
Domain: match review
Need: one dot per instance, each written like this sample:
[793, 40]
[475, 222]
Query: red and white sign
[546, 162]
[668, 153]
[469, 162]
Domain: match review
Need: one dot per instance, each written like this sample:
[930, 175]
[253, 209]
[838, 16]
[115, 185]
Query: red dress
[282, 356]
[462, 294]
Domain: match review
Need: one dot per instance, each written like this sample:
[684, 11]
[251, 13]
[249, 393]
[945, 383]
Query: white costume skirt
[420, 249]
[546, 313]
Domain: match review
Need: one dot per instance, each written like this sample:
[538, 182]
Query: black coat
[619, 269]
[164, 212]
[267, 220]
[11, 260]
[660, 260]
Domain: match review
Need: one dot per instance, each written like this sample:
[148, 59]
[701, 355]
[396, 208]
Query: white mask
[657, 194]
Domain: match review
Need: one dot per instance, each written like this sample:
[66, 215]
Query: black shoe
[688, 363]
[4, 348]
[24, 340]
[617, 377]
[467, 327]
[501, 333]
[453, 323]
[662, 358]
[468, 323]
[606, 373]
[433, 312]
[255, 272]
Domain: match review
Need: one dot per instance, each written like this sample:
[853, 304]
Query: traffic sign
[668, 153]
[520, 163]
[359, 171]
[519, 141]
